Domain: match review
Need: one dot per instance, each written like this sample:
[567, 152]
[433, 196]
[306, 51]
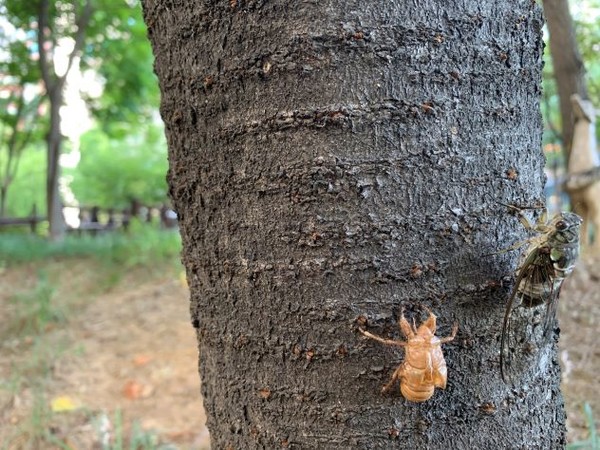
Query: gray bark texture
[335, 161]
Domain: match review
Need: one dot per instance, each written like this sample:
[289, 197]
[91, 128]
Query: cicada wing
[548, 320]
[506, 355]
[508, 343]
[550, 312]
[519, 336]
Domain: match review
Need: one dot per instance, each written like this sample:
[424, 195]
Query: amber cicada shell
[424, 366]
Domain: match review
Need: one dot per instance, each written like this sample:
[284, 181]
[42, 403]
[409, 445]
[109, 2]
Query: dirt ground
[144, 362]
[132, 349]
[579, 319]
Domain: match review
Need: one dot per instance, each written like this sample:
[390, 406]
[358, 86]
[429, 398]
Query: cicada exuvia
[549, 259]
[424, 367]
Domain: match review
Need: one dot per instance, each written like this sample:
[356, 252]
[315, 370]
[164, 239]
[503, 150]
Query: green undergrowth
[44, 286]
[30, 378]
[142, 245]
[593, 440]
[36, 309]
[136, 439]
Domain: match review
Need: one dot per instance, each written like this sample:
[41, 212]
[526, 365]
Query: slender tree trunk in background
[53, 143]
[54, 92]
[16, 143]
[337, 159]
[13, 154]
[54, 86]
[569, 70]
[3, 193]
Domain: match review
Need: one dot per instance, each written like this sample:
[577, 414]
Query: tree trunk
[337, 159]
[3, 193]
[569, 71]
[54, 90]
[53, 141]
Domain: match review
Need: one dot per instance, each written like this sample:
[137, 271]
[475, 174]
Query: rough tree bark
[337, 159]
[569, 71]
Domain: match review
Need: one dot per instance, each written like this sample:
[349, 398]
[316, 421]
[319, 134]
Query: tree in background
[577, 115]
[51, 20]
[27, 186]
[104, 36]
[331, 164]
[119, 56]
[19, 116]
[113, 173]
[587, 24]
[20, 121]
[567, 64]
[575, 40]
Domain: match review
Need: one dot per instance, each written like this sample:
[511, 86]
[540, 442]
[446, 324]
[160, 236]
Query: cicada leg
[382, 340]
[395, 376]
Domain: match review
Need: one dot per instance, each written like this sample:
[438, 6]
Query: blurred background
[96, 348]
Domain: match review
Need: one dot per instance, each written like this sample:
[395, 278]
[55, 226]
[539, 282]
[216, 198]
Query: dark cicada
[550, 258]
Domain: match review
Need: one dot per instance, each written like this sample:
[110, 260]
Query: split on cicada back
[531, 310]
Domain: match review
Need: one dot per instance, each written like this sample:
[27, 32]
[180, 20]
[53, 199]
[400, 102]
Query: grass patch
[45, 286]
[35, 431]
[36, 309]
[141, 245]
[593, 441]
[113, 437]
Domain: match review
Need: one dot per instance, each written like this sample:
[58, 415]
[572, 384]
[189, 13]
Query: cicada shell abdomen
[423, 369]
[424, 366]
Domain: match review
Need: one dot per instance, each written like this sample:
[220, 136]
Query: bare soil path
[131, 349]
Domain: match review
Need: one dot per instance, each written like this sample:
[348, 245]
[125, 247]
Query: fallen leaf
[134, 390]
[141, 360]
[62, 403]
